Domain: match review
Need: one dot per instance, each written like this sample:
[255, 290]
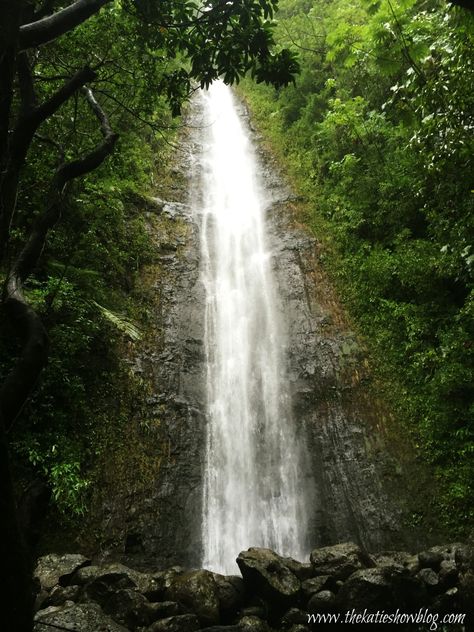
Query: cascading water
[253, 487]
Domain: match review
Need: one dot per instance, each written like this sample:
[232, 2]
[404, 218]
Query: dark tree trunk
[16, 586]
[16, 590]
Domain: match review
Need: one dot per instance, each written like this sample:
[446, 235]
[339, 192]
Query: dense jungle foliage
[377, 133]
[81, 286]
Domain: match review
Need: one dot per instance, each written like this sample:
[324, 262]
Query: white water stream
[253, 489]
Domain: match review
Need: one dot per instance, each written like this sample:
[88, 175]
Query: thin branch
[154, 126]
[406, 51]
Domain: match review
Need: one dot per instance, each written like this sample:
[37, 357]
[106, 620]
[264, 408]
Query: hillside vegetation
[377, 136]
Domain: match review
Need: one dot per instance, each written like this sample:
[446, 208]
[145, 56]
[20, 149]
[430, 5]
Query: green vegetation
[377, 134]
[88, 89]
[86, 124]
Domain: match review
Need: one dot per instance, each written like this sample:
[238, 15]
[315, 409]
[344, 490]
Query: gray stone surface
[55, 568]
[340, 560]
[78, 617]
[197, 591]
[267, 574]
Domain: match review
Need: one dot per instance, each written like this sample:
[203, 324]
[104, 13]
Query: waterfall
[252, 482]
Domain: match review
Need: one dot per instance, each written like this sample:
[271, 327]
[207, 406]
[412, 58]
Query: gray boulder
[431, 559]
[429, 577]
[316, 584]
[455, 552]
[230, 593]
[323, 601]
[448, 574]
[301, 570]
[339, 561]
[294, 616]
[86, 617]
[197, 591]
[268, 575]
[160, 583]
[60, 594]
[162, 610]
[129, 607]
[367, 588]
[85, 575]
[107, 581]
[55, 569]
[464, 557]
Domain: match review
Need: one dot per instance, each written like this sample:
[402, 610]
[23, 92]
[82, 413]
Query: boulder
[55, 569]
[464, 557]
[197, 590]
[339, 561]
[253, 624]
[230, 593]
[323, 601]
[268, 575]
[129, 607]
[448, 574]
[85, 575]
[430, 559]
[125, 577]
[60, 594]
[84, 617]
[429, 577]
[396, 560]
[40, 599]
[160, 582]
[301, 570]
[162, 610]
[179, 623]
[367, 588]
[311, 586]
[433, 557]
[108, 580]
[255, 610]
[294, 616]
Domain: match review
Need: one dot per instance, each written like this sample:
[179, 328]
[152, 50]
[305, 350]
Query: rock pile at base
[273, 592]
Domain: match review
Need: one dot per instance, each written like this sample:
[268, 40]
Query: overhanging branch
[52, 26]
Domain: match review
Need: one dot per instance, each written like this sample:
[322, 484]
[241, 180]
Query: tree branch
[23, 134]
[52, 26]
[10, 13]
[34, 355]
[96, 157]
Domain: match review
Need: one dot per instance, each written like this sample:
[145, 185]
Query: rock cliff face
[350, 461]
[357, 476]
